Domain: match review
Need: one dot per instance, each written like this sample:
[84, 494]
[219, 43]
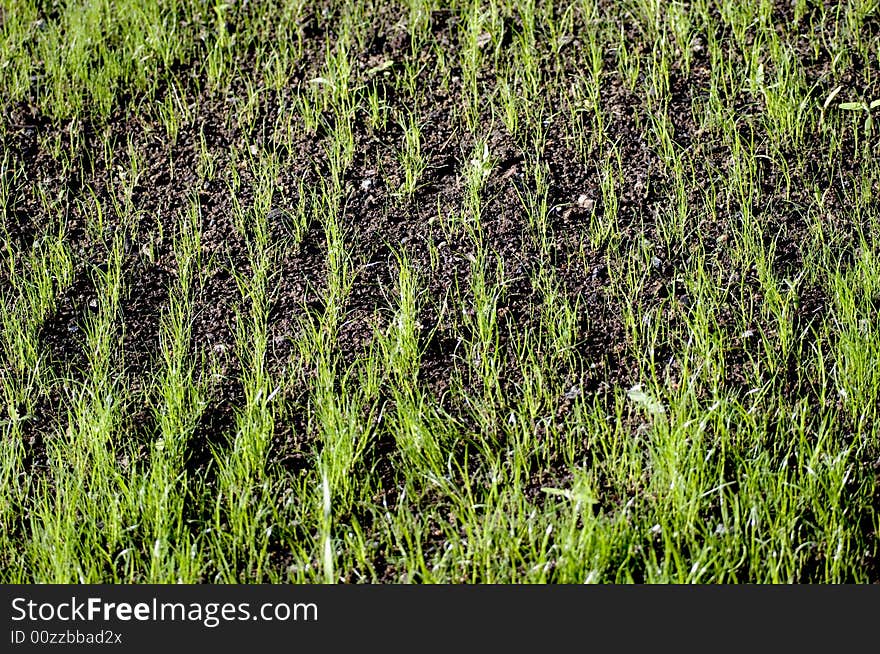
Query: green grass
[651, 272]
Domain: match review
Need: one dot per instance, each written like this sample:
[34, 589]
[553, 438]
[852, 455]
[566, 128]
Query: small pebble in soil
[586, 202]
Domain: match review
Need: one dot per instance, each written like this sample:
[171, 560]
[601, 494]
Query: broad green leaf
[830, 97]
[646, 400]
[385, 65]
